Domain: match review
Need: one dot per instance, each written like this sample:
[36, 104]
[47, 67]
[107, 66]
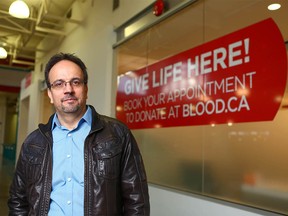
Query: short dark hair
[64, 56]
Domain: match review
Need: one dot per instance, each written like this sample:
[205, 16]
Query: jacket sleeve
[134, 181]
[17, 202]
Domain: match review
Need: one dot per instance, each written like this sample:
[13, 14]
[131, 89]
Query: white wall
[92, 41]
[169, 202]
[29, 111]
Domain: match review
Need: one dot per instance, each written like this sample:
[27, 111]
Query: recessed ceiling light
[19, 9]
[274, 6]
[3, 53]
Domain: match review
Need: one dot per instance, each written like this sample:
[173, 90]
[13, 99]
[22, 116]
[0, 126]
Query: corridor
[6, 173]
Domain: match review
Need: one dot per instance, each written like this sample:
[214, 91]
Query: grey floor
[6, 173]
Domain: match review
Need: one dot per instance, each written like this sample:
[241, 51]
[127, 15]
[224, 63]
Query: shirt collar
[87, 117]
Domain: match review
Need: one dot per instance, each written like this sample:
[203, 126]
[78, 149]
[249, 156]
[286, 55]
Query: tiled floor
[6, 173]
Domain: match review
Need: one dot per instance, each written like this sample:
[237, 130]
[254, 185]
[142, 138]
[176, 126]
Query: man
[80, 162]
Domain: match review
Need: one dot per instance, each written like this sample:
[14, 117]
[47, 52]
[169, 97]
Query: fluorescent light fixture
[19, 9]
[3, 53]
[274, 6]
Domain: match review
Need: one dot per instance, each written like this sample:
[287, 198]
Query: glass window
[245, 163]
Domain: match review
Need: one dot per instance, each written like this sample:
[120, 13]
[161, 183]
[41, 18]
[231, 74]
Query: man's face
[70, 97]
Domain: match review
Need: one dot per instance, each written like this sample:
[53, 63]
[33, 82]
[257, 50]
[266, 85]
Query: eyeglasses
[60, 84]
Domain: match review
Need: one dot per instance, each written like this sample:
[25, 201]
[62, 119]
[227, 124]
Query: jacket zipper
[87, 167]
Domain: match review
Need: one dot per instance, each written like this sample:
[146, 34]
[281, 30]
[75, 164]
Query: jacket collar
[96, 123]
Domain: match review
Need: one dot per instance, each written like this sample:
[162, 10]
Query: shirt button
[68, 156]
[69, 135]
[68, 202]
[69, 179]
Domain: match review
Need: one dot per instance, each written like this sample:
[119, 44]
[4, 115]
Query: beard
[70, 107]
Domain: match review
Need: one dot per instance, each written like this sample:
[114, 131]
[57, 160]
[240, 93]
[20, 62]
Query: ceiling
[20, 37]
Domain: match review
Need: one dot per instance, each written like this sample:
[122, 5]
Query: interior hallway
[6, 173]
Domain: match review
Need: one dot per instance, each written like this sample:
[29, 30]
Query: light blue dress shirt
[67, 195]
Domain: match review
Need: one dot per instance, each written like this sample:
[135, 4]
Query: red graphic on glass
[240, 77]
